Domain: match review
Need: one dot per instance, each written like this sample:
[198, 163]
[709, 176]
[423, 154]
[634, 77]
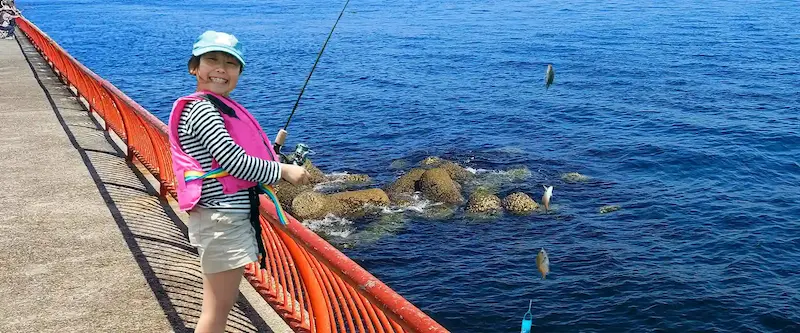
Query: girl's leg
[220, 291]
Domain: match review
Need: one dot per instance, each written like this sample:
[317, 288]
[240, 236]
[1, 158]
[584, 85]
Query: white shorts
[223, 240]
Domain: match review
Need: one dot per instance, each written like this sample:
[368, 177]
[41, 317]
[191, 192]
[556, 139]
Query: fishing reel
[298, 157]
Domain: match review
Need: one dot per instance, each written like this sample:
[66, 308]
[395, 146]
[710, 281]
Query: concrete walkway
[85, 244]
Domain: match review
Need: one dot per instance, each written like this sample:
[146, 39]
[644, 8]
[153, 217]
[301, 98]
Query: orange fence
[312, 285]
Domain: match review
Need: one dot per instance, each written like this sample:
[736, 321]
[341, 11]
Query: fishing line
[281, 137]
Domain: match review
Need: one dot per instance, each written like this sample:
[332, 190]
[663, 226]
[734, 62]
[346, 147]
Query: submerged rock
[518, 174]
[436, 184]
[574, 177]
[436, 212]
[519, 203]
[609, 209]
[399, 164]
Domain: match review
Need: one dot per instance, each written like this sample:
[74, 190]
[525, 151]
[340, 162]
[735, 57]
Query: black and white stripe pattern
[203, 136]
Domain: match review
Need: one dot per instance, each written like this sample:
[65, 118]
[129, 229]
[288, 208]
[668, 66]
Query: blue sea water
[683, 113]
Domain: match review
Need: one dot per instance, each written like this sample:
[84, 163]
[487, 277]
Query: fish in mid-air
[543, 263]
[548, 192]
[549, 76]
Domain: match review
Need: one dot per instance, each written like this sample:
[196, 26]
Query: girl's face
[217, 72]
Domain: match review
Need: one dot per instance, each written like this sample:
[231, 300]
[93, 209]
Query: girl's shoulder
[199, 107]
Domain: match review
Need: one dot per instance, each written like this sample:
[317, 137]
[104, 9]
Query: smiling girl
[220, 155]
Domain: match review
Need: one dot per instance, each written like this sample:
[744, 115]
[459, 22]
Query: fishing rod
[301, 150]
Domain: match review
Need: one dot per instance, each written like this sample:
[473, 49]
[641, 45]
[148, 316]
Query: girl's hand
[294, 174]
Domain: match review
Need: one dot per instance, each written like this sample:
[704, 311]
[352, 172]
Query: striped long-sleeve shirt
[203, 136]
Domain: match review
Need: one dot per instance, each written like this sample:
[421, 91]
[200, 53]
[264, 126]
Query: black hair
[194, 63]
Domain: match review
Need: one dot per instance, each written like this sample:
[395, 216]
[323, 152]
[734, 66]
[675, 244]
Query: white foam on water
[510, 172]
[334, 181]
[419, 204]
[331, 225]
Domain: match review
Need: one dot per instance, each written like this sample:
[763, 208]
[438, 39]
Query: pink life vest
[245, 132]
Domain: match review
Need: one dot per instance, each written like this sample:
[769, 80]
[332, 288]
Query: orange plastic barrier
[311, 284]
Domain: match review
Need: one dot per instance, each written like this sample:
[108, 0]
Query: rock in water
[351, 203]
[457, 172]
[609, 209]
[406, 184]
[310, 205]
[483, 203]
[431, 162]
[316, 175]
[519, 203]
[574, 177]
[437, 185]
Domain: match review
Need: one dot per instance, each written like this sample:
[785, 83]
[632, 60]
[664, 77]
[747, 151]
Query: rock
[574, 177]
[316, 175]
[457, 172]
[609, 209]
[402, 199]
[499, 179]
[437, 185]
[406, 183]
[356, 178]
[482, 202]
[286, 193]
[519, 203]
[311, 205]
[431, 162]
[399, 164]
[476, 186]
[351, 203]
[518, 174]
[342, 182]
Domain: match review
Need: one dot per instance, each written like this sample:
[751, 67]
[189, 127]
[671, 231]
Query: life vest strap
[191, 175]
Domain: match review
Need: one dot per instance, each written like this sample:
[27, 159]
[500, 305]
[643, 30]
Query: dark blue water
[684, 113]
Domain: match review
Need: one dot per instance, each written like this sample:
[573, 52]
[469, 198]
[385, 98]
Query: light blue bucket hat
[218, 41]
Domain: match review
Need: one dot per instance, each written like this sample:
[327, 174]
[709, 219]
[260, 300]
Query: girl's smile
[218, 72]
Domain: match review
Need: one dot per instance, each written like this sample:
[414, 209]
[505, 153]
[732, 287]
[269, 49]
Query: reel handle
[298, 157]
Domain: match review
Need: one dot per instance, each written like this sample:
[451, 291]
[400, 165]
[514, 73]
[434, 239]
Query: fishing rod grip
[280, 139]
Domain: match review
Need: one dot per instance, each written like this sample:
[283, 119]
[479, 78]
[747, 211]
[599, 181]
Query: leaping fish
[543, 263]
[549, 76]
[548, 192]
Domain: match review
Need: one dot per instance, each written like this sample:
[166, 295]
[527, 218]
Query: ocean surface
[683, 113]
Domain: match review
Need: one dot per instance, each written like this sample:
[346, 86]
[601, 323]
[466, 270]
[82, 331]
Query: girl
[220, 155]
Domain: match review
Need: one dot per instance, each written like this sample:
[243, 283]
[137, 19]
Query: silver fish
[548, 192]
[543, 263]
[549, 76]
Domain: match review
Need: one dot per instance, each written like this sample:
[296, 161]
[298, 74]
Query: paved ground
[85, 245]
